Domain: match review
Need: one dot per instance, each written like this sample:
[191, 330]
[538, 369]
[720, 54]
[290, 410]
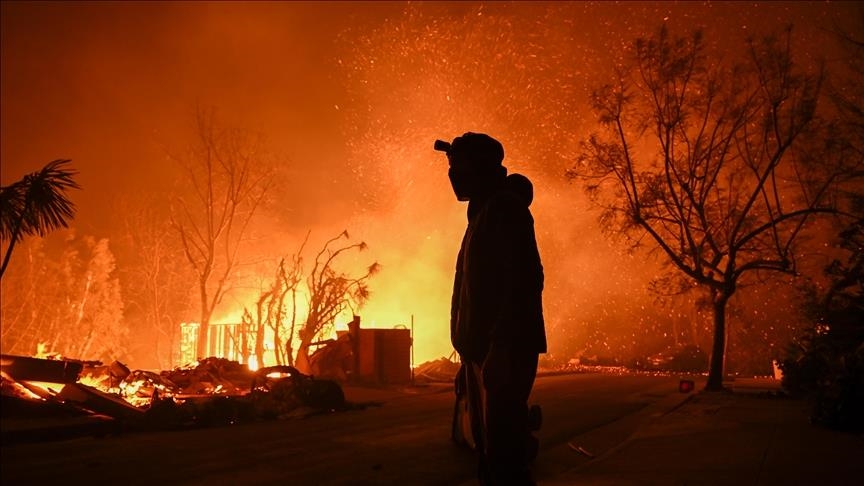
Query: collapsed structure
[357, 355]
[112, 398]
[107, 398]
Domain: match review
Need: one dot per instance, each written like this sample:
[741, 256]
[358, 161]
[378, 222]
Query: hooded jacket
[497, 292]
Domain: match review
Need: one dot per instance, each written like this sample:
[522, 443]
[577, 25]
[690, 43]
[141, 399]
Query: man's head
[475, 164]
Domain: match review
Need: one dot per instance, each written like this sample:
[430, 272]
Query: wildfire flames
[357, 113]
[359, 355]
[216, 391]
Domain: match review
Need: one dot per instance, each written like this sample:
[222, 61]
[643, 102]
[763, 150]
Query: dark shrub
[826, 364]
[827, 367]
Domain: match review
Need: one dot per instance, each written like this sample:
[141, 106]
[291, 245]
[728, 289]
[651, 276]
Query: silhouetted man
[496, 315]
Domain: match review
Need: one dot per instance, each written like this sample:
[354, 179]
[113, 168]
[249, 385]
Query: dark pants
[504, 436]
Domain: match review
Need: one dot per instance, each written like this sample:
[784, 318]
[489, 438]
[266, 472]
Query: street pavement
[752, 435]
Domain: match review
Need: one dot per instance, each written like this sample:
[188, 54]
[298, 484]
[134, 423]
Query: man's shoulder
[506, 201]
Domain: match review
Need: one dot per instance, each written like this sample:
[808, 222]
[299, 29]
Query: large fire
[412, 291]
[356, 115]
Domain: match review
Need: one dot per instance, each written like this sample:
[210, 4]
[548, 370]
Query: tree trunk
[302, 361]
[281, 356]
[289, 341]
[204, 336]
[289, 353]
[244, 341]
[259, 337]
[277, 350]
[259, 345]
[206, 312]
[718, 350]
[8, 253]
[16, 233]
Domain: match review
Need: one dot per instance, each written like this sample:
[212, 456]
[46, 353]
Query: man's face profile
[462, 175]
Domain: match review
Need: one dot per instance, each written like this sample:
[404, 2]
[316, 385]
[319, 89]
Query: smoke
[510, 74]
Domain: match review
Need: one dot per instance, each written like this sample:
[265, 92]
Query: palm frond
[39, 202]
[11, 208]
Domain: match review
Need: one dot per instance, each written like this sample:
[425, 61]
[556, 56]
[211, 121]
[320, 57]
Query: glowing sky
[350, 95]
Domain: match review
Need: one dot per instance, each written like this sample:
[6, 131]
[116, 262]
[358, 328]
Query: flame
[100, 383]
[49, 387]
[246, 300]
[278, 375]
[43, 351]
[415, 295]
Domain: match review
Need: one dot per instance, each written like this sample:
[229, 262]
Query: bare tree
[282, 315]
[330, 292]
[276, 309]
[36, 204]
[708, 162]
[155, 287]
[226, 179]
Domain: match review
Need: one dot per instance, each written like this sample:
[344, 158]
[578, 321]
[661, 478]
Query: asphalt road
[404, 440]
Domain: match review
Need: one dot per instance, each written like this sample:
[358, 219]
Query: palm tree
[37, 204]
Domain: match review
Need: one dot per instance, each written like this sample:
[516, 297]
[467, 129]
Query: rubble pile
[441, 370]
[211, 375]
[215, 391]
[106, 378]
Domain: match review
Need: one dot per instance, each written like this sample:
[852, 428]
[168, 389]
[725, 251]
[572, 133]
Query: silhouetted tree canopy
[36, 205]
[721, 166]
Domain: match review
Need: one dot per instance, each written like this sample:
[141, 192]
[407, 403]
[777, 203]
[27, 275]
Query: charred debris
[70, 398]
